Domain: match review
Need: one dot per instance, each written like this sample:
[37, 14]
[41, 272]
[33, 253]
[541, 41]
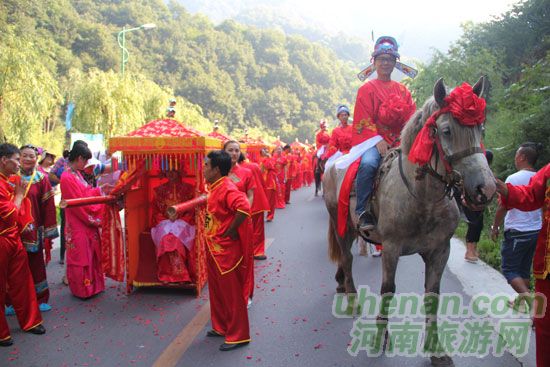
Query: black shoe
[38, 330]
[366, 222]
[227, 347]
[6, 343]
[260, 257]
[213, 334]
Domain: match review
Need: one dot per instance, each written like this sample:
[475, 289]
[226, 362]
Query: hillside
[241, 75]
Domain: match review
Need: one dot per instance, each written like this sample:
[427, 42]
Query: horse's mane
[415, 123]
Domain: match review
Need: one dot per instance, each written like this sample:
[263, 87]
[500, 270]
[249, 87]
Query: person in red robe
[322, 138]
[340, 139]
[382, 108]
[83, 241]
[45, 164]
[290, 171]
[534, 196]
[259, 206]
[228, 210]
[44, 226]
[270, 178]
[244, 180]
[297, 180]
[281, 163]
[173, 236]
[15, 276]
[306, 168]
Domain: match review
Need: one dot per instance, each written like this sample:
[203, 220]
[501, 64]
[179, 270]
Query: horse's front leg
[390, 259]
[435, 265]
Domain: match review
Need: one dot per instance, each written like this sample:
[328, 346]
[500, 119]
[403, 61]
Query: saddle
[347, 186]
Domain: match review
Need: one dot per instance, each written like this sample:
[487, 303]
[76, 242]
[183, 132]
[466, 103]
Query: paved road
[291, 319]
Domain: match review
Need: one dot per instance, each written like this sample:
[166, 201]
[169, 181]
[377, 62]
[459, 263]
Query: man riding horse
[381, 109]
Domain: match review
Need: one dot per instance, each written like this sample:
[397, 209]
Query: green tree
[29, 93]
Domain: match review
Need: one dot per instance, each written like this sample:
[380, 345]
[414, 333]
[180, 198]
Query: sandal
[472, 260]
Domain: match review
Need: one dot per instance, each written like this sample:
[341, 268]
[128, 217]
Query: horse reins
[451, 180]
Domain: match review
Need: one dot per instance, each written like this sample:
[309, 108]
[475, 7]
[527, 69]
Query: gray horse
[413, 206]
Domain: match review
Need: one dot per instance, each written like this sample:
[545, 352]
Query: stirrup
[366, 222]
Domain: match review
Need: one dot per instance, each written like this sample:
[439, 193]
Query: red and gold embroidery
[365, 124]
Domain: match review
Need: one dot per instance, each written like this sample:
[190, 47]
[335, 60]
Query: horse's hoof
[340, 289]
[443, 361]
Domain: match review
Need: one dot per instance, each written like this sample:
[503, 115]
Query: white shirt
[517, 219]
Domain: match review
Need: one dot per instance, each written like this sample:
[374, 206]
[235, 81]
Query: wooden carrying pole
[87, 201]
[186, 206]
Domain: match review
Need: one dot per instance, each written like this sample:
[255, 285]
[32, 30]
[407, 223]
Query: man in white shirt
[520, 228]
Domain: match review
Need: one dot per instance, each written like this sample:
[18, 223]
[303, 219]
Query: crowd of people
[31, 176]
[242, 196]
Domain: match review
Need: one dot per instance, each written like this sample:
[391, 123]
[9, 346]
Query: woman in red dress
[84, 268]
[173, 235]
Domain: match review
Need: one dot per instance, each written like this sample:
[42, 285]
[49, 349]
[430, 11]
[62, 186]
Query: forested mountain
[240, 75]
[274, 15]
[346, 47]
[57, 51]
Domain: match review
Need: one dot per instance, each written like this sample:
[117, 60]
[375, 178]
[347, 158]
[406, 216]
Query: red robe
[307, 170]
[321, 138]
[225, 276]
[15, 276]
[381, 108]
[259, 206]
[289, 174]
[340, 140]
[530, 197]
[172, 255]
[297, 178]
[270, 176]
[83, 242]
[43, 227]
[244, 180]
[281, 163]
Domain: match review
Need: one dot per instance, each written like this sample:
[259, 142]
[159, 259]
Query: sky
[418, 26]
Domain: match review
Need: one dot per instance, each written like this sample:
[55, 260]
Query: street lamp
[122, 42]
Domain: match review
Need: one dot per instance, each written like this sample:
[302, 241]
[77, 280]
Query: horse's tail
[334, 251]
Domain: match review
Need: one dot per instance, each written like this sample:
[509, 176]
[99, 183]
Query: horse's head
[454, 144]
